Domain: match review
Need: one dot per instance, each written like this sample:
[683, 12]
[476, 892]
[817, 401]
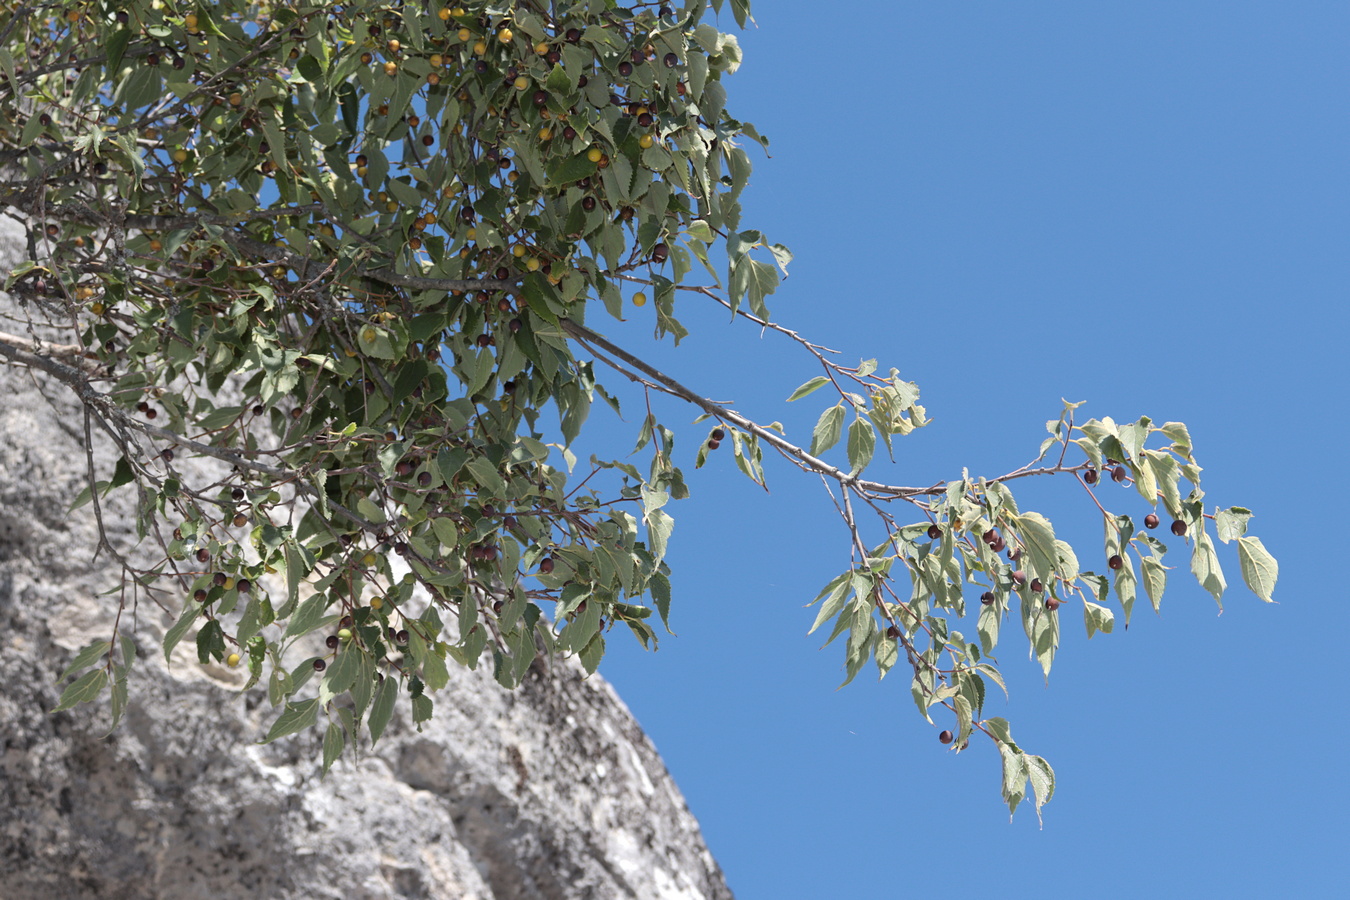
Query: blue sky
[1139, 205]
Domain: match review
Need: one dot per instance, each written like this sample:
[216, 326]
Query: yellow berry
[344, 634]
[443, 13]
[368, 559]
[349, 351]
[97, 309]
[369, 334]
[236, 99]
[458, 11]
[541, 48]
[505, 35]
[394, 46]
[436, 60]
[376, 603]
[532, 264]
[361, 171]
[72, 15]
[155, 245]
[518, 251]
[391, 68]
[521, 82]
[639, 299]
[471, 234]
[594, 154]
[645, 141]
[232, 660]
[190, 20]
[465, 35]
[479, 48]
[180, 155]
[545, 134]
[229, 584]
[391, 206]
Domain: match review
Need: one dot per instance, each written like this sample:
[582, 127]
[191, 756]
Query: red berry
[1151, 520]
[1053, 604]
[546, 565]
[713, 445]
[1019, 576]
[1116, 561]
[1036, 586]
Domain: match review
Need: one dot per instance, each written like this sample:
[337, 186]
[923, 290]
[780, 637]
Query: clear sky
[1142, 205]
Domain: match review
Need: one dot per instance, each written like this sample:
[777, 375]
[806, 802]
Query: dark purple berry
[934, 532]
[1179, 528]
[1116, 561]
[1151, 520]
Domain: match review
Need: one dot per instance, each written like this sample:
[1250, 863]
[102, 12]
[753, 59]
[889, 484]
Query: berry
[1053, 604]
[331, 641]
[625, 69]
[1119, 475]
[244, 586]
[401, 637]
[219, 579]
[946, 737]
[661, 252]
[588, 203]
[989, 536]
[893, 632]
[203, 555]
[232, 660]
[1151, 520]
[934, 532]
[713, 445]
[240, 520]
[237, 493]
[1090, 476]
[199, 595]
[639, 299]
[671, 60]
[424, 479]
[718, 434]
[1036, 586]
[1019, 577]
[987, 597]
[573, 35]
[540, 98]
[546, 565]
[1116, 561]
[1179, 528]
[320, 665]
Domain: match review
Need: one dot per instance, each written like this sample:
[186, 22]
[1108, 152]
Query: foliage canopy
[350, 250]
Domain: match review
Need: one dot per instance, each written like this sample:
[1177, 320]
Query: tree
[349, 253]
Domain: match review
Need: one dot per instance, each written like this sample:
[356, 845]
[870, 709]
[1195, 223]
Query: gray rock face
[549, 792]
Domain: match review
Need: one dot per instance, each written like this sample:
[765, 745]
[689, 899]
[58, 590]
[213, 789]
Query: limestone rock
[549, 792]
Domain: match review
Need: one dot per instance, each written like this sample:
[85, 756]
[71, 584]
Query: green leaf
[1155, 579]
[308, 615]
[1232, 522]
[1259, 568]
[296, 717]
[1038, 536]
[834, 604]
[1205, 565]
[382, 708]
[180, 628]
[828, 428]
[810, 387]
[83, 689]
[85, 658]
[862, 443]
[334, 739]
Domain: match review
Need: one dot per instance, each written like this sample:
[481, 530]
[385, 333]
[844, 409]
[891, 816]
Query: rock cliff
[550, 792]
